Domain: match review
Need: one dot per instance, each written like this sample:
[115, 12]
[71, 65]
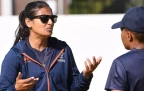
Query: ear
[129, 36]
[28, 22]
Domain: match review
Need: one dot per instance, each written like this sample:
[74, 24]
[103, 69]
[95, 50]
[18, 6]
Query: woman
[39, 62]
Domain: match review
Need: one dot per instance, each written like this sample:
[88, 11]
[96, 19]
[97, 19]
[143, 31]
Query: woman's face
[42, 29]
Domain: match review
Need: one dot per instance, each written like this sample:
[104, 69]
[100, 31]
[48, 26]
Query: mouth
[49, 29]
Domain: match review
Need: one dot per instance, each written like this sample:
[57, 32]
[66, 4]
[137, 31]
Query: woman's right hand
[25, 84]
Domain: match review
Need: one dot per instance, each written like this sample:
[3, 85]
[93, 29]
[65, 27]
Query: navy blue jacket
[61, 75]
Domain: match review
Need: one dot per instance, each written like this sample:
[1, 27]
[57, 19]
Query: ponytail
[22, 31]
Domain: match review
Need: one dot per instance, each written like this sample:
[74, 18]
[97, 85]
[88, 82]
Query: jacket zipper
[47, 71]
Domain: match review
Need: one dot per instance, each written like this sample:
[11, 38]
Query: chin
[47, 36]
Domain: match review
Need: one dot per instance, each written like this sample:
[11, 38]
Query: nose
[50, 22]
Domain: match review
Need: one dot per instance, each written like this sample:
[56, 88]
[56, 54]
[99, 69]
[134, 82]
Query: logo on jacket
[61, 58]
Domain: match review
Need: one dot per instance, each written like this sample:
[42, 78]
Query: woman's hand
[25, 84]
[90, 67]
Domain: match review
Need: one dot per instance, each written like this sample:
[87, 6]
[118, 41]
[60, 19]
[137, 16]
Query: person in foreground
[126, 73]
[39, 62]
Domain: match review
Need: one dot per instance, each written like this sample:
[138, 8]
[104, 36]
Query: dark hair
[30, 10]
[139, 36]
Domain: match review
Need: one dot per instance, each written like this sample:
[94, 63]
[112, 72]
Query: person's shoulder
[128, 56]
[19, 46]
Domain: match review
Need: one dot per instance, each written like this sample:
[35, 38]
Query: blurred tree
[117, 6]
[99, 6]
[85, 6]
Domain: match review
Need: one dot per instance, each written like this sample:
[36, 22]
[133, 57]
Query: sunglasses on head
[45, 18]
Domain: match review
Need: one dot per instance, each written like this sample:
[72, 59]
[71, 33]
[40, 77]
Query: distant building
[58, 6]
[14, 7]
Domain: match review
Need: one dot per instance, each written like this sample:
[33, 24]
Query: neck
[137, 45]
[38, 43]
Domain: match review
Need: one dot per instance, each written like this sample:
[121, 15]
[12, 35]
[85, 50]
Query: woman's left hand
[90, 67]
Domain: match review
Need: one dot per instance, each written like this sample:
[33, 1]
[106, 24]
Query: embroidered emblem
[61, 58]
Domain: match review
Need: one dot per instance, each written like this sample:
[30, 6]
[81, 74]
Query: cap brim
[117, 25]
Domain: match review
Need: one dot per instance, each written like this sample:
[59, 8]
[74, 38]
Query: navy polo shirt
[127, 72]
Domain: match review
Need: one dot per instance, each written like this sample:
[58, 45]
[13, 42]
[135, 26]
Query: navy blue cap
[132, 20]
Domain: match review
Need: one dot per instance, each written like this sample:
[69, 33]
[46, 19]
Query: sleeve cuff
[86, 79]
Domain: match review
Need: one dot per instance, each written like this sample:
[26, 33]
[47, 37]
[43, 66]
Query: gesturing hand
[90, 67]
[25, 84]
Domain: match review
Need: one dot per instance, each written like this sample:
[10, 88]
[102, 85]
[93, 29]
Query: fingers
[19, 76]
[86, 66]
[30, 80]
[96, 61]
[99, 59]
[25, 84]
[92, 66]
[35, 80]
